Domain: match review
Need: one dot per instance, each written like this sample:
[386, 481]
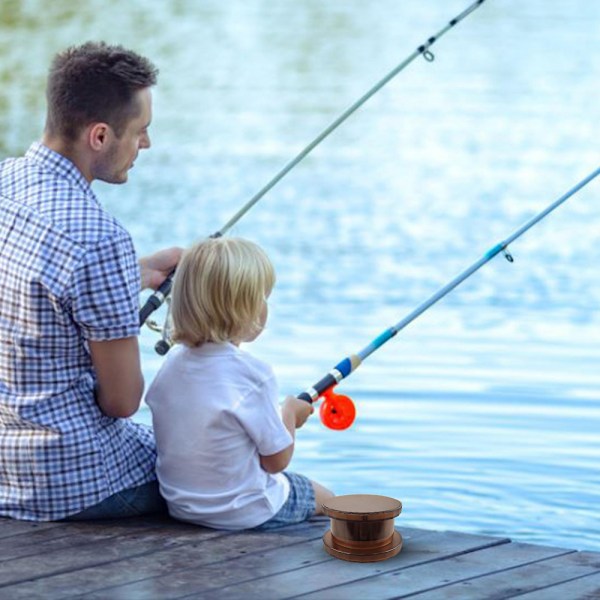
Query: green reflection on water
[31, 32]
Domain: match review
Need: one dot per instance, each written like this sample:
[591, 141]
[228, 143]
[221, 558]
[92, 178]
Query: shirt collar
[58, 163]
[215, 348]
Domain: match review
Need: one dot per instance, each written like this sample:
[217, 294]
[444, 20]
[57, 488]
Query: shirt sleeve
[105, 289]
[260, 416]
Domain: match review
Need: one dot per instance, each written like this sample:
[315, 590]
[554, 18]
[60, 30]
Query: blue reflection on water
[484, 414]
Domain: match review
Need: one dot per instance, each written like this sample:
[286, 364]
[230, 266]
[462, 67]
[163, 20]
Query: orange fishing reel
[336, 411]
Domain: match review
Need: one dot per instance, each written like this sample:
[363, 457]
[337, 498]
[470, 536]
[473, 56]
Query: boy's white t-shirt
[214, 412]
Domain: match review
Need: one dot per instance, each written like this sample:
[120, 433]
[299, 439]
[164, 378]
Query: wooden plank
[188, 582]
[409, 579]
[216, 568]
[582, 588]
[420, 549]
[69, 535]
[85, 549]
[192, 552]
[12, 527]
[543, 575]
[162, 558]
[292, 571]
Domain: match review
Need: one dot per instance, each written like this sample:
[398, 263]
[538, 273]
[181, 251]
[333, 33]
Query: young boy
[222, 443]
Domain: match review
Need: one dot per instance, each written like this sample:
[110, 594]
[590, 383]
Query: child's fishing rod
[337, 411]
[160, 295]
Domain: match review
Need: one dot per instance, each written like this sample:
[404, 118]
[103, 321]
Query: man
[69, 359]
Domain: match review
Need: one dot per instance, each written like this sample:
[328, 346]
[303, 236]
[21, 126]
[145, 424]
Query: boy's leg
[304, 501]
[322, 494]
[134, 502]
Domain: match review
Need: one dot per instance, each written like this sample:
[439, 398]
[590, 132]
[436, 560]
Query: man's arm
[119, 376]
[117, 362]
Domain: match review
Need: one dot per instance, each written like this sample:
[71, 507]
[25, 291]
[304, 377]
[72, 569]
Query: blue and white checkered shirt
[68, 274]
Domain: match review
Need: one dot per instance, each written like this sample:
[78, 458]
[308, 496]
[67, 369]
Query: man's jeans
[134, 502]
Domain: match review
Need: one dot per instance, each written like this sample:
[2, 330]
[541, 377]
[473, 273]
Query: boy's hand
[299, 410]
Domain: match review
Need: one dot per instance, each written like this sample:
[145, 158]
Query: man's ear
[98, 134]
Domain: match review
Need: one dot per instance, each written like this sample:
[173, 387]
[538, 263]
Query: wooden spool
[362, 527]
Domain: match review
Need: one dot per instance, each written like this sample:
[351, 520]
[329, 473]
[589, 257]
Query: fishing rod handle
[312, 394]
[339, 372]
[155, 301]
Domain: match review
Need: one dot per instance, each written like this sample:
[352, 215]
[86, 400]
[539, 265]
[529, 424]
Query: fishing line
[338, 411]
[160, 295]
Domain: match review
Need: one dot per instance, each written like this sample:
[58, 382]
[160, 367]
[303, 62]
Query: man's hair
[95, 83]
[219, 289]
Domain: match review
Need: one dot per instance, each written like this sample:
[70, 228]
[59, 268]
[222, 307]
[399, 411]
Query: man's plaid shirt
[68, 274]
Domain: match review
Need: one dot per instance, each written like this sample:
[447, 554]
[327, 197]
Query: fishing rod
[156, 299]
[337, 411]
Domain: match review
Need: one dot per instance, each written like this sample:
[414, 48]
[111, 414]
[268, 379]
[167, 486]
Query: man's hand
[155, 268]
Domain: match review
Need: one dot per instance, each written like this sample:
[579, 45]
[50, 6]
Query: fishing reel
[336, 411]
[165, 343]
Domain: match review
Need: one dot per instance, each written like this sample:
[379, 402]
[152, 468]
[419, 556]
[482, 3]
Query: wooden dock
[160, 558]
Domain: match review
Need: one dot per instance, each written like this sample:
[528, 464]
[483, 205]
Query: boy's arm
[294, 414]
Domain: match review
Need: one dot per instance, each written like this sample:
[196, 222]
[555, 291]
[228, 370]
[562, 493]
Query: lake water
[484, 414]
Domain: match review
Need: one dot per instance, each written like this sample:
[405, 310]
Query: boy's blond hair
[219, 289]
